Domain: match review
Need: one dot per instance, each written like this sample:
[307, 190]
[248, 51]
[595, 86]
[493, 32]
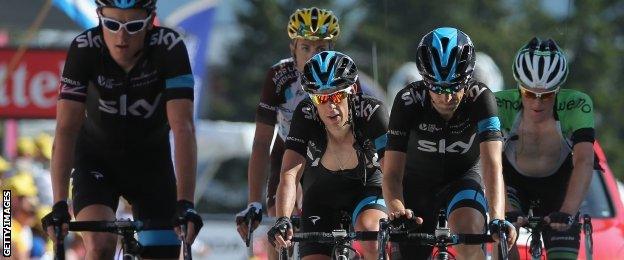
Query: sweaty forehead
[124, 15]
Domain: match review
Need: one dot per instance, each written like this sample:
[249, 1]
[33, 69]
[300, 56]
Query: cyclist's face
[447, 103]
[537, 108]
[122, 45]
[334, 115]
[303, 50]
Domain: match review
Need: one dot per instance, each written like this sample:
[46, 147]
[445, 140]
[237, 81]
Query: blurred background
[232, 44]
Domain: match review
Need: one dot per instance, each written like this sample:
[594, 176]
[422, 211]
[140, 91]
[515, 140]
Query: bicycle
[130, 247]
[340, 238]
[441, 239]
[535, 226]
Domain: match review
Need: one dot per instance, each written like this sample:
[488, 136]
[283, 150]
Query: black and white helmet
[540, 64]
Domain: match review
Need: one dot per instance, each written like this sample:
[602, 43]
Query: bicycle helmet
[446, 58]
[149, 5]
[540, 64]
[313, 24]
[328, 72]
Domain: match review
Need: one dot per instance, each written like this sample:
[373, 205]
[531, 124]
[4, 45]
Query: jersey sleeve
[179, 81]
[377, 127]
[302, 125]
[266, 112]
[508, 103]
[578, 117]
[75, 77]
[485, 111]
[400, 121]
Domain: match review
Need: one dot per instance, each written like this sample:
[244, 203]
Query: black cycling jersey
[438, 149]
[123, 145]
[308, 137]
[126, 110]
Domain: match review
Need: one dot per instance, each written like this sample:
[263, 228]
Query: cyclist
[334, 147]
[549, 135]
[443, 133]
[125, 85]
[311, 31]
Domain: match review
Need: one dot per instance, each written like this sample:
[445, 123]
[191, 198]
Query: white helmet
[540, 64]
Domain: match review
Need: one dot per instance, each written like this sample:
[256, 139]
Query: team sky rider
[125, 85]
[336, 141]
[549, 135]
[311, 31]
[443, 132]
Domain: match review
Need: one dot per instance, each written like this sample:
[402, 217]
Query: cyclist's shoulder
[477, 90]
[88, 40]
[164, 39]
[283, 72]
[413, 94]
[568, 95]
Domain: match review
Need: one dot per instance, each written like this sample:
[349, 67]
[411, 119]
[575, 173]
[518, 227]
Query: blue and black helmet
[327, 72]
[149, 5]
[446, 59]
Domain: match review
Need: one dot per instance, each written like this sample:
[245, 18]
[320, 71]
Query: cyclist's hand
[243, 217]
[405, 214]
[59, 217]
[559, 221]
[510, 231]
[281, 233]
[186, 214]
[517, 218]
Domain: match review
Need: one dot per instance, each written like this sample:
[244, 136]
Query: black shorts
[523, 191]
[426, 200]
[321, 218]
[144, 178]
[274, 172]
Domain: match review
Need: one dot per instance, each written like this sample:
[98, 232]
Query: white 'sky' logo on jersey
[87, 40]
[441, 147]
[169, 39]
[140, 107]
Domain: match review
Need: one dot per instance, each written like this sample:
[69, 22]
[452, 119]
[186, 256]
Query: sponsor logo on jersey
[578, 103]
[141, 107]
[295, 139]
[396, 132]
[429, 127]
[413, 96]
[88, 40]
[267, 106]
[314, 219]
[285, 75]
[309, 112]
[165, 38]
[475, 91]
[97, 175]
[441, 147]
[362, 109]
[104, 82]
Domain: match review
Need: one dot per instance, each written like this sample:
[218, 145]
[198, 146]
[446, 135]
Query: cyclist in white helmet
[548, 153]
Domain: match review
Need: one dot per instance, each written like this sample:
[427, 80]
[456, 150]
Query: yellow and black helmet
[313, 24]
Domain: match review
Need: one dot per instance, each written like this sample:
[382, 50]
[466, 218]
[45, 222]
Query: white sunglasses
[131, 27]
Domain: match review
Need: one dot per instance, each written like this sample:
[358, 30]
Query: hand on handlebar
[495, 227]
[281, 233]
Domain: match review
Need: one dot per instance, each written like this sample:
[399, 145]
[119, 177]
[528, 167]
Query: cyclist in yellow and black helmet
[311, 30]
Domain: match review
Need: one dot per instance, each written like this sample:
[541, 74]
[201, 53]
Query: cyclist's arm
[180, 116]
[393, 169]
[583, 161]
[258, 161]
[491, 163]
[293, 165]
[69, 118]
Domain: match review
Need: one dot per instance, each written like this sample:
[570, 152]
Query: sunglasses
[335, 97]
[131, 27]
[535, 95]
[445, 88]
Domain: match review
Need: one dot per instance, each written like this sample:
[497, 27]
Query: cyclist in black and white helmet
[549, 135]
